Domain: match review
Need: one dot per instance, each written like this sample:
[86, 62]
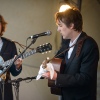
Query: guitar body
[58, 65]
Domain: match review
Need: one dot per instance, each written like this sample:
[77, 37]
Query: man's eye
[60, 25]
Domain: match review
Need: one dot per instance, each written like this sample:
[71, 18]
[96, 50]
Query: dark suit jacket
[79, 79]
[7, 52]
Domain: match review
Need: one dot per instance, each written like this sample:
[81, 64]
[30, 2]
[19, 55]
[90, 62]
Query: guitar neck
[26, 54]
[39, 49]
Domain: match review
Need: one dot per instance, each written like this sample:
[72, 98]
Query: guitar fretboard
[8, 62]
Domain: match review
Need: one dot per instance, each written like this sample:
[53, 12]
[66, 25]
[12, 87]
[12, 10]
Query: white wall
[26, 18]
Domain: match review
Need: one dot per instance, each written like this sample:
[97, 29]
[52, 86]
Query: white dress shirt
[70, 44]
[1, 44]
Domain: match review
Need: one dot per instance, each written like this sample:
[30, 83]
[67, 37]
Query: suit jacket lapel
[74, 50]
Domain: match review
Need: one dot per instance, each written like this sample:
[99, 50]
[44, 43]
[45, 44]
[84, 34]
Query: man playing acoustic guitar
[78, 80]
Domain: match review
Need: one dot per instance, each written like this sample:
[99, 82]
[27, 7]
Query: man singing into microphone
[78, 81]
[8, 51]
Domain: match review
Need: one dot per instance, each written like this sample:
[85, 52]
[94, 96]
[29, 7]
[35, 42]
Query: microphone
[40, 34]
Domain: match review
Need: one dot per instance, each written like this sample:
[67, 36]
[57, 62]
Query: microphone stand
[16, 84]
[5, 69]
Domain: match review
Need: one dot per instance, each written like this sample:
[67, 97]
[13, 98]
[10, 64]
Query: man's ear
[71, 26]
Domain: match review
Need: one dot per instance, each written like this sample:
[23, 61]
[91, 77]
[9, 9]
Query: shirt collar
[71, 43]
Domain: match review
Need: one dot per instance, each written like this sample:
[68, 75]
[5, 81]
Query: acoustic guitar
[58, 65]
[40, 49]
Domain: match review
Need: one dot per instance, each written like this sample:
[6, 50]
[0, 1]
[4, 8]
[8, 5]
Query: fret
[29, 53]
[6, 63]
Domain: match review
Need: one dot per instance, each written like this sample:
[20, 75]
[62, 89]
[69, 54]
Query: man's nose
[58, 29]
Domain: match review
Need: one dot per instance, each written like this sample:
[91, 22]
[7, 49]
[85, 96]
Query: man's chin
[64, 37]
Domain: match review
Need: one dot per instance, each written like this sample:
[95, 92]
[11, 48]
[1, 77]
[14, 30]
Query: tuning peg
[46, 43]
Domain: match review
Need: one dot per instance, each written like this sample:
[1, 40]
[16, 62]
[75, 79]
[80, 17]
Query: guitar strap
[21, 45]
[79, 47]
[79, 43]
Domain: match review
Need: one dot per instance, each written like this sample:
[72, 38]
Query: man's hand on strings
[18, 63]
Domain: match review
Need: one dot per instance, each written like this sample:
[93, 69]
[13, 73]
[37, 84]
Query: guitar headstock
[43, 48]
